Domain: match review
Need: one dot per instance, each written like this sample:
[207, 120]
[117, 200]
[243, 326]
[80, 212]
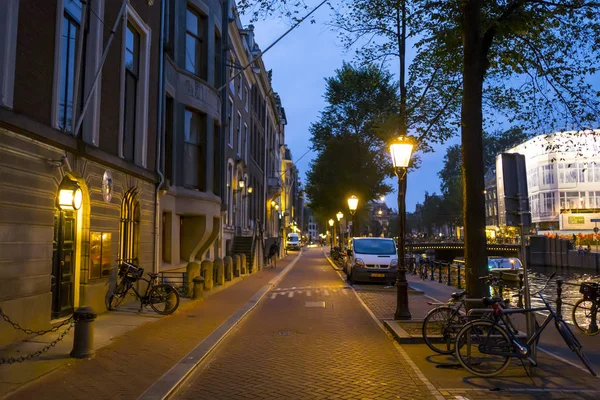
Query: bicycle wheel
[473, 343]
[442, 322]
[582, 316]
[117, 296]
[164, 299]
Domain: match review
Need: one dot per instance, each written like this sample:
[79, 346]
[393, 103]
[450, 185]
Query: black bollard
[449, 275]
[83, 340]
[432, 266]
[458, 285]
[559, 284]
[520, 301]
[439, 272]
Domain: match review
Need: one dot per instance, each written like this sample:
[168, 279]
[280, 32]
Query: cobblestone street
[310, 339]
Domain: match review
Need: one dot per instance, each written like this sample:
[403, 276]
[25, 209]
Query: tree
[352, 153]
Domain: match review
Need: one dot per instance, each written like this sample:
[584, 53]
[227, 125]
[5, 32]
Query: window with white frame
[594, 199]
[9, 17]
[548, 204]
[593, 172]
[533, 178]
[246, 142]
[231, 123]
[567, 173]
[246, 98]
[71, 23]
[570, 200]
[229, 214]
[134, 89]
[194, 150]
[582, 168]
[548, 174]
[239, 134]
[239, 86]
[195, 42]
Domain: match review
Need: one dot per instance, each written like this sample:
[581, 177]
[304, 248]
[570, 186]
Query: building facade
[77, 189]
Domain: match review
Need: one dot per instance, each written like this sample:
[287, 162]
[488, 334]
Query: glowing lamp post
[332, 235]
[70, 197]
[339, 217]
[401, 152]
[352, 206]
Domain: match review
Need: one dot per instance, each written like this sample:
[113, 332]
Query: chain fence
[67, 324]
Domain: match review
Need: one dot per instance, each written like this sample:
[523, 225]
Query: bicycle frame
[148, 287]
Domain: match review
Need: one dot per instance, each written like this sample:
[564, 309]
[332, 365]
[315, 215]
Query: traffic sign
[596, 230]
[595, 219]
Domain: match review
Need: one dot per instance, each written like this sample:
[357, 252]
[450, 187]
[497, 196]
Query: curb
[168, 384]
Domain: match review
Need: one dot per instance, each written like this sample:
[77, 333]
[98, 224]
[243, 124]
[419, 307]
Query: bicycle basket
[589, 290]
[130, 272]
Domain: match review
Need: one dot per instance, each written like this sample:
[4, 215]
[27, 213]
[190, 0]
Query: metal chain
[30, 331]
[20, 359]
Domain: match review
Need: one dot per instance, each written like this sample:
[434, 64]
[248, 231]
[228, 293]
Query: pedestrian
[273, 250]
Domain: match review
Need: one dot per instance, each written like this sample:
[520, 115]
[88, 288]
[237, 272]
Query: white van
[293, 241]
[372, 259]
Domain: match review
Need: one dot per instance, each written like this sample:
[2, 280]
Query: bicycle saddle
[152, 274]
[458, 295]
[488, 301]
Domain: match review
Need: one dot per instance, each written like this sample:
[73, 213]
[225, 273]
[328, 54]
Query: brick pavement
[550, 381]
[290, 348]
[125, 368]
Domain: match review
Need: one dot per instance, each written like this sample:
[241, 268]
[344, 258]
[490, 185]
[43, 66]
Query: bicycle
[485, 348]
[585, 311]
[447, 319]
[162, 298]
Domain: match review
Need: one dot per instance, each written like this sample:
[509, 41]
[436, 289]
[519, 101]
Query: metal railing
[175, 279]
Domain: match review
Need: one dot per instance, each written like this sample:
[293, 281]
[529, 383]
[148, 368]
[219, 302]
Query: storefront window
[100, 254]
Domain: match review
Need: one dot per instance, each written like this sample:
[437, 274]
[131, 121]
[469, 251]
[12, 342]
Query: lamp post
[401, 151]
[353, 205]
[339, 217]
[332, 235]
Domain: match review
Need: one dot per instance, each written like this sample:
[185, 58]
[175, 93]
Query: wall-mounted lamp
[70, 196]
[250, 189]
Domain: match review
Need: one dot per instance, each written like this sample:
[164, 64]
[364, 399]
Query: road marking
[326, 292]
[291, 294]
[308, 293]
[315, 304]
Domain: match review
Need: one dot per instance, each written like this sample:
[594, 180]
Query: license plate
[377, 275]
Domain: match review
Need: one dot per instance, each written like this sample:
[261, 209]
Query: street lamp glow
[250, 189]
[330, 222]
[273, 203]
[382, 199]
[241, 184]
[353, 204]
[401, 151]
[70, 197]
[339, 216]
[277, 206]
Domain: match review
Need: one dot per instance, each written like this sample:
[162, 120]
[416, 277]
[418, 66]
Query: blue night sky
[300, 62]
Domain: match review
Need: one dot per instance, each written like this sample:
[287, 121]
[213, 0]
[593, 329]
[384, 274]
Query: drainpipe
[159, 139]
[224, 124]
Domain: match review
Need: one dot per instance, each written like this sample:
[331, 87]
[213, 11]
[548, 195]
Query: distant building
[380, 216]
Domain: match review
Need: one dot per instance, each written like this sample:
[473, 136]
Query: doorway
[63, 262]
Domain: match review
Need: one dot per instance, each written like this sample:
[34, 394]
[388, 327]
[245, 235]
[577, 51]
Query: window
[246, 142]
[193, 150]
[239, 86]
[246, 98]
[68, 47]
[132, 67]
[570, 200]
[548, 204]
[194, 43]
[548, 174]
[582, 168]
[534, 203]
[593, 171]
[218, 66]
[231, 123]
[9, 10]
[239, 134]
[533, 177]
[134, 89]
[130, 227]
[594, 199]
[229, 214]
[100, 254]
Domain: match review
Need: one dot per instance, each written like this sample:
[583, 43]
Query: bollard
[593, 328]
[439, 272]
[501, 286]
[559, 284]
[227, 265]
[198, 288]
[83, 340]
[192, 270]
[243, 264]
[520, 301]
[220, 270]
[458, 285]
[449, 275]
[207, 272]
[236, 265]
[432, 266]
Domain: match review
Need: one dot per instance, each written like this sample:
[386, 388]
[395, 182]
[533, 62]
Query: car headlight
[359, 262]
[394, 262]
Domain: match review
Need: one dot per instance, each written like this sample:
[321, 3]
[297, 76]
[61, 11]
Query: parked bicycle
[485, 347]
[162, 298]
[442, 323]
[585, 311]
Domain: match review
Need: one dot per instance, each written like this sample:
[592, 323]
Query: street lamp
[353, 205]
[250, 189]
[332, 235]
[339, 217]
[401, 151]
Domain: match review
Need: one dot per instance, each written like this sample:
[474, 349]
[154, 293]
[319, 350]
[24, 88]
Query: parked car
[371, 259]
[293, 241]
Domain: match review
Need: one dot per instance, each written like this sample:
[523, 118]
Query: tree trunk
[472, 150]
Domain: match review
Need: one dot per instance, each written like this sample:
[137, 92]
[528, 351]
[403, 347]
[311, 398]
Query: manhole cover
[284, 333]
[315, 304]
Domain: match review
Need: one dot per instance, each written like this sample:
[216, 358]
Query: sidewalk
[132, 350]
[555, 377]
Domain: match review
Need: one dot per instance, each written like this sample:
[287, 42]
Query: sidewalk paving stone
[136, 349]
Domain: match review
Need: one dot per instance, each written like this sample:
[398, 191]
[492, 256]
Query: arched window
[129, 242]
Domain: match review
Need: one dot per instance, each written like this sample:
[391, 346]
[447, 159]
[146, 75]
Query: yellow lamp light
[339, 216]
[331, 222]
[353, 204]
[277, 206]
[401, 151]
[241, 184]
[70, 197]
[250, 189]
